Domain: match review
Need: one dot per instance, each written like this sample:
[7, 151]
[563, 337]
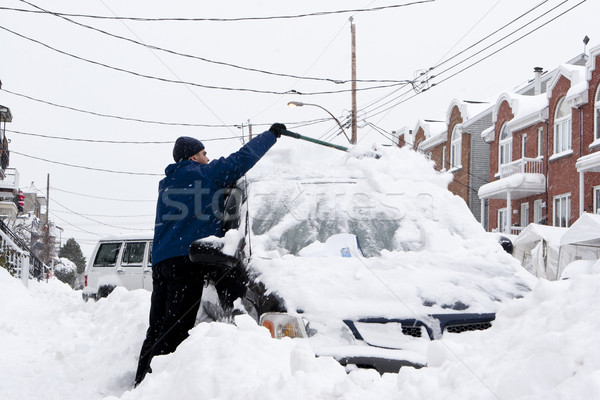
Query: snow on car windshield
[308, 212]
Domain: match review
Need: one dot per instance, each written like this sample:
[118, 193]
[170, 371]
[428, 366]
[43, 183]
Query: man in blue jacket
[185, 212]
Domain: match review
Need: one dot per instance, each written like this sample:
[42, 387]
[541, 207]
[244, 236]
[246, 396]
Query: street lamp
[293, 104]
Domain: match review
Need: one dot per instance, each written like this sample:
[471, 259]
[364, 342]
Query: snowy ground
[542, 346]
[55, 346]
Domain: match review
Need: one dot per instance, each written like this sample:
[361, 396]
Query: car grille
[414, 331]
[448, 323]
[481, 326]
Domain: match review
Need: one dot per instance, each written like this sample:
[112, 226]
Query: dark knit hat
[185, 147]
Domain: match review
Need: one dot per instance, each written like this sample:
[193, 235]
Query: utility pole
[249, 130]
[47, 198]
[354, 124]
[47, 239]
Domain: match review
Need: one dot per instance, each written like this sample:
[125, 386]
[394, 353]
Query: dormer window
[505, 146]
[562, 127]
[455, 148]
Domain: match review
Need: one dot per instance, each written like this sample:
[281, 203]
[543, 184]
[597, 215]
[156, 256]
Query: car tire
[104, 291]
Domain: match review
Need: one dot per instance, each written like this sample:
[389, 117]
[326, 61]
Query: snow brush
[309, 139]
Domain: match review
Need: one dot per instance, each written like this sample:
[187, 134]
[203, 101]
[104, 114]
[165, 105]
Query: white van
[120, 260]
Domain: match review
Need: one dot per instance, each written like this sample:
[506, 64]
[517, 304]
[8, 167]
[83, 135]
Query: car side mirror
[209, 251]
[506, 244]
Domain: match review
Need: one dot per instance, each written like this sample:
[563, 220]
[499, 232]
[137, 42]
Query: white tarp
[537, 249]
[586, 230]
[581, 241]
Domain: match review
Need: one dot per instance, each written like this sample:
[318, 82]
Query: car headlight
[282, 325]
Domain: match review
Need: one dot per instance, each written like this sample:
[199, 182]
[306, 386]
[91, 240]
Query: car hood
[395, 285]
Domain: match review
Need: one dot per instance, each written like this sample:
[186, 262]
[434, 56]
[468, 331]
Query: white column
[25, 270]
[581, 193]
[508, 212]
[482, 213]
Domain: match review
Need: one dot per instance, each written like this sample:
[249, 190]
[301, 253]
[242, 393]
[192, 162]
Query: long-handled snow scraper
[317, 141]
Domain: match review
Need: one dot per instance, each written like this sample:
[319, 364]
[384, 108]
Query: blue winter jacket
[184, 211]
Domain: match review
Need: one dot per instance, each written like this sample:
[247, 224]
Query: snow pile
[541, 347]
[54, 346]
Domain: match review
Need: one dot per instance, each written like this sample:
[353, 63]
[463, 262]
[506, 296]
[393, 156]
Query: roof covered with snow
[526, 110]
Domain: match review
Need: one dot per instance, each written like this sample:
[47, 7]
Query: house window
[524, 146]
[455, 149]
[562, 127]
[537, 211]
[540, 143]
[597, 114]
[444, 158]
[502, 215]
[562, 210]
[524, 214]
[504, 146]
[596, 199]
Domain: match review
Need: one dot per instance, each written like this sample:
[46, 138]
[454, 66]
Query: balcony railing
[11, 179]
[522, 166]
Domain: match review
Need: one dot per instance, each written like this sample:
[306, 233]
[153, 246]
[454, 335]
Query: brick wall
[562, 175]
[419, 137]
[460, 185]
[591, 178]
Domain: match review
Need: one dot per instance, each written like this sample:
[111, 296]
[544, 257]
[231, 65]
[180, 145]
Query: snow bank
[542, 346]
[54, 346]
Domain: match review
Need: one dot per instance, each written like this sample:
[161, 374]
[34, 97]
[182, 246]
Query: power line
[491, 34]
[101, 198]
[184, 19]
[91, 219]
[463, 51]
[511, 43]
[510, 34]
[195, 84]
[100, 222]
[108, 216]
[84, 167]
[75, 226]
[117, 116]
[108, 141]
[382, 132]
[95, 221]
[483, 58]
[309, 122]
[173, 52]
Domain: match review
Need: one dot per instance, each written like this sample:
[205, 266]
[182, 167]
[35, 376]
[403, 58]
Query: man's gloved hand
[277, 128]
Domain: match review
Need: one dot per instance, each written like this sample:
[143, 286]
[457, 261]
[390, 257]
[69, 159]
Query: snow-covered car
[368, 259]
[119, 260]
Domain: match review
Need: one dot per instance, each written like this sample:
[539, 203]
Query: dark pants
[176, 294]
[177, 285]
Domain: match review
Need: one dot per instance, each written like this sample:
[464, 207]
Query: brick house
[544, 158]
[456, 145]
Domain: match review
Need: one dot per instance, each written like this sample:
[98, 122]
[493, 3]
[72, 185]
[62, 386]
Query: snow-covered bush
[65, 270]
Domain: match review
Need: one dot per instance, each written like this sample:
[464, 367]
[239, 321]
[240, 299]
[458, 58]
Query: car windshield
[300, 214]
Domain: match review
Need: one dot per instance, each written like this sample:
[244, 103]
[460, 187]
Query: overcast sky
[393, 44]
